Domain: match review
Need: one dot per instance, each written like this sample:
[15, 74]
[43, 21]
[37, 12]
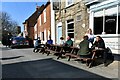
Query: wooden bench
[51, 49]
[77, 57]
[63, 51]
[89, 61]
[39, 49]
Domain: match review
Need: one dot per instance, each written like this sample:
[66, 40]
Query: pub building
[104, 21]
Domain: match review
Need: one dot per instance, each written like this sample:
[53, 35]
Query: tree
[8, 25]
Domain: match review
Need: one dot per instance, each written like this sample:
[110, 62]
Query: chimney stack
[37, 7]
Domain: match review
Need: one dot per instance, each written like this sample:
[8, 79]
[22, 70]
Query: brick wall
[44, 26]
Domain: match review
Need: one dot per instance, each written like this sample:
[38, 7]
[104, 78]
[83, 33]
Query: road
[23, 63]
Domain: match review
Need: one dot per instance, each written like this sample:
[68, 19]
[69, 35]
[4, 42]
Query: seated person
[99, 43]
[84, 51]
[37, 44]
[50, 41]
[69, 42]
[62, 42]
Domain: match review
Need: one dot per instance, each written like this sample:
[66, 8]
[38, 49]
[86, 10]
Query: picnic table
[95, 52]
[89, 61]
[71, 52]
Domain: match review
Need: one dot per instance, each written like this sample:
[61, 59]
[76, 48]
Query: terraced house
[30, 23]
[45, 26]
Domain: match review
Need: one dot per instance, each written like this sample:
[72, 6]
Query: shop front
[104, 21]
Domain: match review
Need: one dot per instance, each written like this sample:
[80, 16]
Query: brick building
[45, 26]
[30, 23]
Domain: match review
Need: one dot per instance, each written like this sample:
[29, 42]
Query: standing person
[84, 48]
[9, 36]
[37, 43]
[62, 41]
[90, 35]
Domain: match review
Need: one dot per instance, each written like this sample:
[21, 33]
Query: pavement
[23, 63]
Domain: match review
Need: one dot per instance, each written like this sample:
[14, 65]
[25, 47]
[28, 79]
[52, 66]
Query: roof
[33, 18]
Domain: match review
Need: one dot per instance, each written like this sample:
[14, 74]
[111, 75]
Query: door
[59, 34]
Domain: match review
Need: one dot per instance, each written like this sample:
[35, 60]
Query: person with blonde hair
[90, 35]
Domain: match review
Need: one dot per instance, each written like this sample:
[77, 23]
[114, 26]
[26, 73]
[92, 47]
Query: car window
[19, 38]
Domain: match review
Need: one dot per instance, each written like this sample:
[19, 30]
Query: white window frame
[40, 20]
[104, 14]
[35, 27]
[35, 36]
[48, 34]
[45, 15]
[69, 29]
[45, 35]
[68, 4]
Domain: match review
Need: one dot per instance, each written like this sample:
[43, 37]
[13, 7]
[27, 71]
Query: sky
[20, 11]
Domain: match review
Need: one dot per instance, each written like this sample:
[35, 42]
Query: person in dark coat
[9, 36]
[84, 48]
[99, 43]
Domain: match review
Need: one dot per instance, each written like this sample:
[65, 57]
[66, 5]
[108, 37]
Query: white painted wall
[52, 23]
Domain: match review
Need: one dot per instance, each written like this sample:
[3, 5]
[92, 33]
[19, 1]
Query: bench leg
[48, 53]
[87, 62]
[91, 63]
[43, 52]
[69, 57]
[60, 55]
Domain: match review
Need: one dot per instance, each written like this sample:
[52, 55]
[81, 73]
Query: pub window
[98, 22]
[110, 24]
[98, 25]
[105, 21]
[111, 20]
[70, 28]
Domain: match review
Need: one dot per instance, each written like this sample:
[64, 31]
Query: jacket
[84, 48]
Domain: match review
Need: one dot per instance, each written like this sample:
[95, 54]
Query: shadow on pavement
[12, 57]
[116, 57]
[46, 68]
[5, 48]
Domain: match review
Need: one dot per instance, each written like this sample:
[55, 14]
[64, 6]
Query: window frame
[104, 20]
[67, 5]
[45, 16]
[67, 23]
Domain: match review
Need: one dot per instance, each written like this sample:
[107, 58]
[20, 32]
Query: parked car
[19, 42]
